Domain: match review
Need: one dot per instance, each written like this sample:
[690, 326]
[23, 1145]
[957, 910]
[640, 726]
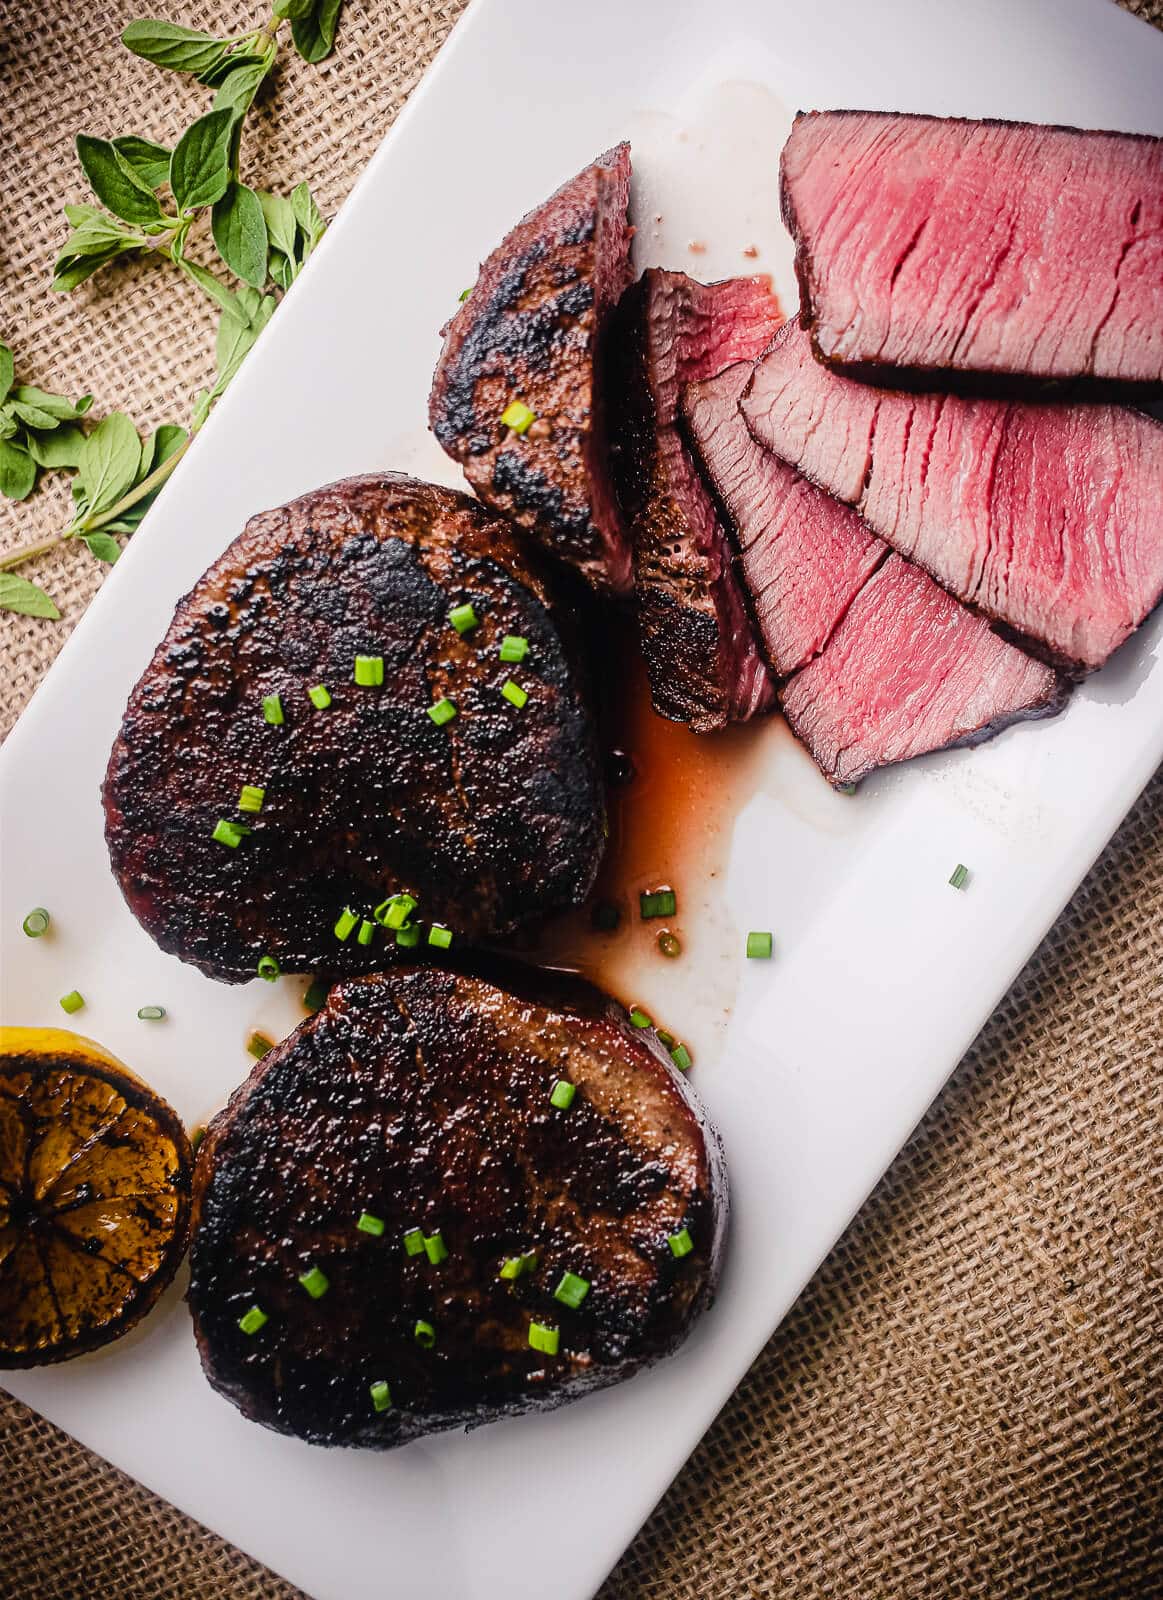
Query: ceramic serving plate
[815, 1065]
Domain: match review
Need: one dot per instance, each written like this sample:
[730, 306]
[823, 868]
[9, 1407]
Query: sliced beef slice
[1044, 517]
[953, 246]
[488, 820]
[423, 1100]
[698, 641]
[533, 331]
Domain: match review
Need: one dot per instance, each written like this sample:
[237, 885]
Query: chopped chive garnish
[514, 647]
[435, 1248]
[666, 1040]
[639, 1019]
[268, 969]
[381, 1395]
[315, 1282]
[366, 931]
[572, 1290]
[251, 797]
[759, 946]
[424, 1334]
[414, 1241]
[258, 1044]
[196, 1136]
[443, 711]
[681, 1057]
[395, 911]
[369, 671]
[960, 876]
[253, 1320]
[347, 921]
[36, 922]
[369, 1224]
[529, 1260]
[518, 416]
[681, 1244]
[669, 945]
[514, 694]
[229, 833]
[543, 1338]
[562, 1093]
[73, 1001]
[511, 1268]
[272, 709]
[848, 788]
[408, 938]
[658, 903]
[463, 295]
[440, 936]
[151, 1013]
[319, 696]
[463, 618]
[315, 997]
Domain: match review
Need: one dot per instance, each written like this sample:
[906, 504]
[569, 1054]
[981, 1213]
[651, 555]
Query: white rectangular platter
[884, 973]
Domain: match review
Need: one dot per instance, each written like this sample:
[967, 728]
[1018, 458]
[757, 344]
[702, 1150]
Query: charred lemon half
[94, 1196]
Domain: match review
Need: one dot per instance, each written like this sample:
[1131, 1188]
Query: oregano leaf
[168, 45]
[240, 232]
[17, 471]
[210, 285]
[308, 216]
[58, 449]
[18, 594]
[57, 406]
[314, 33]
[282, 225]
[102, 545]
[150, 162]
[7, 370]
[200, 164]
[115, 183]
[109, 462]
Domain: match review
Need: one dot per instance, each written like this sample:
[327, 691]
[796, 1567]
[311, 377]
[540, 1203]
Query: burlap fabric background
[967, 1399]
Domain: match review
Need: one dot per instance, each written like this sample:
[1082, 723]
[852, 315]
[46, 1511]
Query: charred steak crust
[533, 330]
[488, 821]
[422, 1097]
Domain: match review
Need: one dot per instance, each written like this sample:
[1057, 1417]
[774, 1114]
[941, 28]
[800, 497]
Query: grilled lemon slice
[94, 1196]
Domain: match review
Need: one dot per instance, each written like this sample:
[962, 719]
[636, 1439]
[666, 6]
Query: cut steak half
[403, 1224]
[954, 246]
[1044, 517]
[881, 663]
[697, 639]
[531, 334]
[355, 792]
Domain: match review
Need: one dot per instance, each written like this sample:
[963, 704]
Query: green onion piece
[529, 1260]
[414, 1241]
[36, 922]
[196, 1136]
[315, 1282]
[572, 1290]
[759, 946]
[443, 711]
[440, 936]
[659, 903]
[960, 876]
[681, 1244]
[669, 945]
[463, 618]
[229, 833]
[395, 912]
[512, 1267]
[366, 930]
[435, 1248]
[424, 1334]
[518, 416]
[639, 1019]
[848, 788]
[666, 1040]
[268, 969]
[272, 709]
[562, 1093]
[681, 1057]
[315, 996]
[347, 921]
[543, 1338]
[254, 1319]
[251, 797]
[258, 1044]
[408, 938]
[463, 295]
[151, 1013]
[73, 1001]
[369, 1224]
[514, 694]
[369, 671]
[381, 1395]
[514, 647]
[319, 696]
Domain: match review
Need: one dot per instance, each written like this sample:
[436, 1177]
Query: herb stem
[25, 552]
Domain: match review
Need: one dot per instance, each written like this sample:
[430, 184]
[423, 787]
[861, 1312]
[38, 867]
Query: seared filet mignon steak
[439, 1202]
[697, 639]
[953, 246]
[517, 393]
[292, 758]
[881, 663]
[1044, 517]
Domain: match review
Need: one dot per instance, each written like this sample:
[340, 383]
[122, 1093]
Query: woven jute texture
[967, 1400]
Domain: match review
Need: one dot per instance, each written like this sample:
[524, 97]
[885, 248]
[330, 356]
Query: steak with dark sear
[1046, 518]
[532, 332]
[880, 663]
[487, 820]
[958, 247]
[697, 638]
[423, 1102]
